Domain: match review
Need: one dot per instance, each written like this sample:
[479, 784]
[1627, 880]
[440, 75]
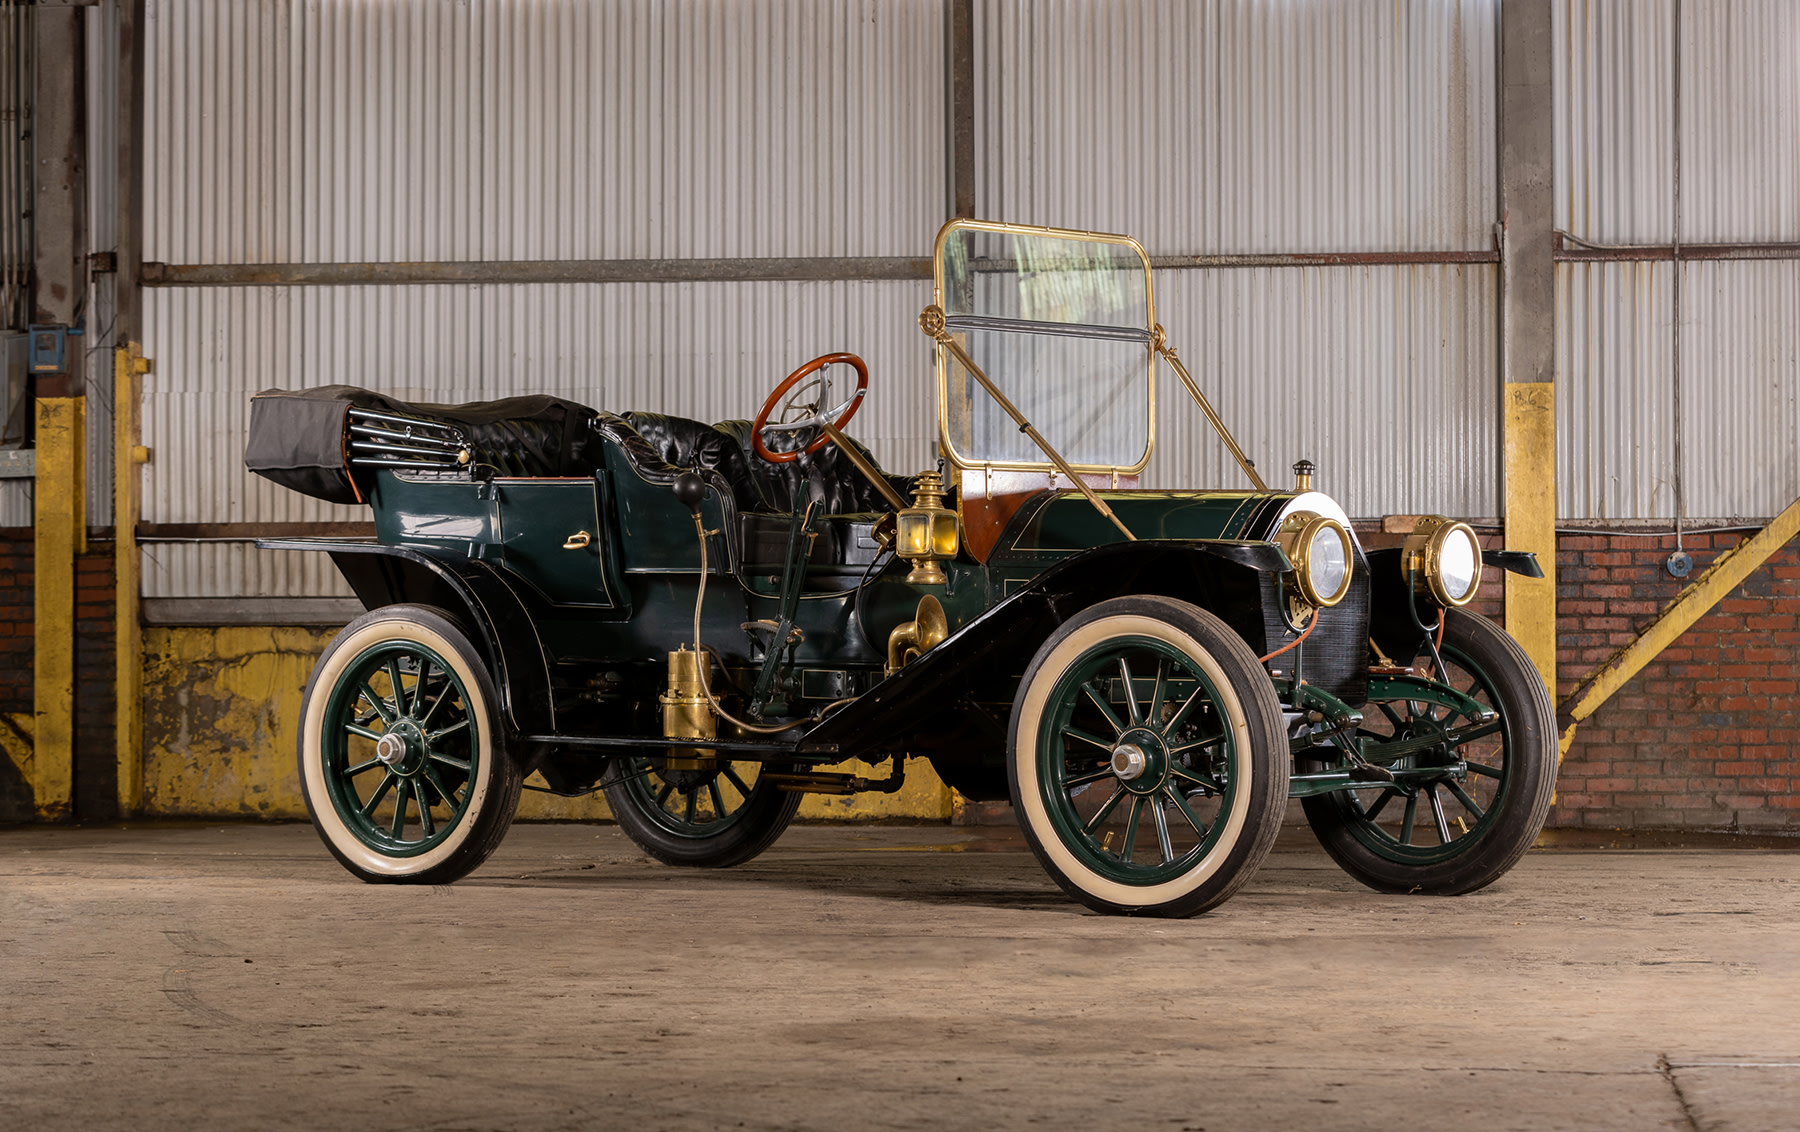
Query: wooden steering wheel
[803, 406]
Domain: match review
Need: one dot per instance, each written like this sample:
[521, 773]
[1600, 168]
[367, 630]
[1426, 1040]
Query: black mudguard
[983, 660]
[474, 592]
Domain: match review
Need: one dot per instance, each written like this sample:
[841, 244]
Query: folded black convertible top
[300, 438]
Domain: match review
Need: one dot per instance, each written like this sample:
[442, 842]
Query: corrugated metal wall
[1244, 125]
[1740, 183]
[284, 131]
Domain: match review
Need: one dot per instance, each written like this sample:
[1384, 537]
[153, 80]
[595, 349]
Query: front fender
[982, 661]
[475, 592]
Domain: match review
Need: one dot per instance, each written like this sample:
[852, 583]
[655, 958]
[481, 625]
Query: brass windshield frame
[947, 446]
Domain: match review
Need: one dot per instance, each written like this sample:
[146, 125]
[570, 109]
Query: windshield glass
[1060, 322]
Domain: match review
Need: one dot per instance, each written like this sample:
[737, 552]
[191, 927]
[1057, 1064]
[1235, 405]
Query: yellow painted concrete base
[221, 705]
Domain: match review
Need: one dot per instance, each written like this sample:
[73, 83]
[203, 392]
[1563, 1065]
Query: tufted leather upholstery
[660, 445]
[827, 477]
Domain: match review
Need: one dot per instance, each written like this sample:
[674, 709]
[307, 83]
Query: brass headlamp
[1444, 557]
[1320, 551]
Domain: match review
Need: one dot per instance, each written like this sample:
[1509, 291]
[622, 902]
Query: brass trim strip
[1161, 342]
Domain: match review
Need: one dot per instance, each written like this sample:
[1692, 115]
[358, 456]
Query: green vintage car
[702, 620]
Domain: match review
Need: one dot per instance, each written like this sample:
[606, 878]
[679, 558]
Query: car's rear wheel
[1479, 809]
[707, 813]
[1147, 759]
[403, 761]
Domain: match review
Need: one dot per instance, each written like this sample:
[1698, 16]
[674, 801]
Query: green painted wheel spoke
[1380, 804]
[380, 705]
[1392, 715]
[387, 784]
[662, 795]
[687, 814]
[1437, 814]
[420, 687]
[443, 694]
[1186, 812]
[1131, 703]
[1470, 734]
[362, 731]
[1188, 775]
[1131, 827]
[731, 776]
[1462, 796]
[447, 760]
[1077, 733]
[1083, 779]
[718, 801]
[359, 768]
[1105, 709]
[1162, 831]
[1181, 713]
[395, 687]
[439, 734]
[1406, 820]
[430, 775]
[424, 807]
[1198, 744]
[398, 828]
[1106, 808]
[1483, 769]
[1158, 692]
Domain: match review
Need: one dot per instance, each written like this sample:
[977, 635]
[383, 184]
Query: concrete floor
[229, 977]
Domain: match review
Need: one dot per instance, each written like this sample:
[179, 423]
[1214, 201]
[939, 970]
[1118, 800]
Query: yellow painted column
[1530, 471]
[129, 366]
[60, 534]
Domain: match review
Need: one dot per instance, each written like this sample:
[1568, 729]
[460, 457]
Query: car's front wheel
[1147, 759]
[1472, 799]
[403, 761]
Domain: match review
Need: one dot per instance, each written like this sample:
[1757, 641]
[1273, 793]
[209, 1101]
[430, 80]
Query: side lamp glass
[925, 533]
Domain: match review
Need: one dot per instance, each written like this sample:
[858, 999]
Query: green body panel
[1056, 524]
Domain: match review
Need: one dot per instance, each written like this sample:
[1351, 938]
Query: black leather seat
[660, 446]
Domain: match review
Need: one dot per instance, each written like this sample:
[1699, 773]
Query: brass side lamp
[925, 533]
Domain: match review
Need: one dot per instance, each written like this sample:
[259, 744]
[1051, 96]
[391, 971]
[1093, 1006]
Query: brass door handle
[577, 540]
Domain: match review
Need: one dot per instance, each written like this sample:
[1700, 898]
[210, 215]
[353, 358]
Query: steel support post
[61, 534]
[1528, 322]
[129, 456]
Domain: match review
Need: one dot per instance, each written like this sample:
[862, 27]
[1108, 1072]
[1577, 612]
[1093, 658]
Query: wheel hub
[1140, 762]
[1129, 761]
[402, 748]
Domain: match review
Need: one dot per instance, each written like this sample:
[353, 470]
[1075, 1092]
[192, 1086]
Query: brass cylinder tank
[686, 712]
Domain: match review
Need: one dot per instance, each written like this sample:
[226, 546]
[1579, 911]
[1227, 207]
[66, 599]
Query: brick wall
[15, 673]
[1708, 735]
[95, 763]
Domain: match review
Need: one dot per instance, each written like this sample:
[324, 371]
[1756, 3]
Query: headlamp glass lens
[1328, 562]
[1458, 565]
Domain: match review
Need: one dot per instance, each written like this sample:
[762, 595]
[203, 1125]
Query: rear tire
[1147, 759]
[701, 818]
[402, 753]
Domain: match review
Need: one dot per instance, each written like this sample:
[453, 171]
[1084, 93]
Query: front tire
[1147, 759]
[1460, 830]
[403, 760]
